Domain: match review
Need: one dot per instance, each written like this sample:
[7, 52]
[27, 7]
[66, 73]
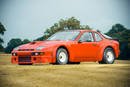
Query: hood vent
[26, 50]
[32, 43]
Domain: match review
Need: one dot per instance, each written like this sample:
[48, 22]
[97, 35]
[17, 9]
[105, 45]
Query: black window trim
[95, 38]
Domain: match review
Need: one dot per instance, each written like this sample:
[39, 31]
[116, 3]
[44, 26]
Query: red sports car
[72, 46]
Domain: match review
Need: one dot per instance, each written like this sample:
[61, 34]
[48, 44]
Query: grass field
[47, 75]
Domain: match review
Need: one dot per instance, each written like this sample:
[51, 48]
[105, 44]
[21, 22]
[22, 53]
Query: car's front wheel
[108, 57]
[62, 56]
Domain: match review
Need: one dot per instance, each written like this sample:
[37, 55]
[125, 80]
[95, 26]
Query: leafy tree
[12, 44]
[2, 30]
[67, 24]
[98, 31]
[117, 28]
[1, 48]
[25, 41]
[123, 34]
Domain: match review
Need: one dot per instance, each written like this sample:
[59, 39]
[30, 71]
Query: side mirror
[80, 41]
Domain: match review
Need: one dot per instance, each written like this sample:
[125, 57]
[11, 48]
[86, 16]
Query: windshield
[65, 35]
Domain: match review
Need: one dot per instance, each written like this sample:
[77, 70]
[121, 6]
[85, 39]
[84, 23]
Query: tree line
[2, 30]
[117, 31]
[123, 35]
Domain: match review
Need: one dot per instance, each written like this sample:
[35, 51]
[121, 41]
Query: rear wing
[108, 37]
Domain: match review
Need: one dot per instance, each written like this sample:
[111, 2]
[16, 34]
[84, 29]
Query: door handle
[94, 44]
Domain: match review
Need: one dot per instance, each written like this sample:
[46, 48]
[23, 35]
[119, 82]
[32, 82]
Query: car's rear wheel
[108, 57]
[62, 56]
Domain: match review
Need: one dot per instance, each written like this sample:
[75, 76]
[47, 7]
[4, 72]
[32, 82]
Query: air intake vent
[32, 43]
[26, 50]
[24, 59]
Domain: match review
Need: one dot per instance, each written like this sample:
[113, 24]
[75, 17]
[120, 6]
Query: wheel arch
[102, 52]
[55, 51]
[112, 48]
[64, 48]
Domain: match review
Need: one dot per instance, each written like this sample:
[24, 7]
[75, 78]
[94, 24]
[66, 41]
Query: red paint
[78, 52]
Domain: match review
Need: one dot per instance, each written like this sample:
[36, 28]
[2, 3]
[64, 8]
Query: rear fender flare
[102, 52]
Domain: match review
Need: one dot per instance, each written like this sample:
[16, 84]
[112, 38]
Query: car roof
[82, 30]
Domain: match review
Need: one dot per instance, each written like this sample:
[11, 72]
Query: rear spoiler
[115, 39]
[110, 38]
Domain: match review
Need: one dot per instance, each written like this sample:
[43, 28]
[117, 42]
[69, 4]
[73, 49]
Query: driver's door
[86, 48]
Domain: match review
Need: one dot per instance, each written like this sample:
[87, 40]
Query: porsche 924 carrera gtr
[72, 46]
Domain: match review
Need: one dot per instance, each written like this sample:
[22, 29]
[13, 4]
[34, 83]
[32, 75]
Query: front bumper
[28, 58]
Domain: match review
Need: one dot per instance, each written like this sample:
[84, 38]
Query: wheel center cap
[60, 57]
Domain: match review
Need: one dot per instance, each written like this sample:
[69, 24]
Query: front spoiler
[33, 60]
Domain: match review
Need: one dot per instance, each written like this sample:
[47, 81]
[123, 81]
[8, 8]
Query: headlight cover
[40, 47]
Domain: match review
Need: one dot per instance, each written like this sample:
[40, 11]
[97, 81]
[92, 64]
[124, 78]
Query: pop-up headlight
[40, 47]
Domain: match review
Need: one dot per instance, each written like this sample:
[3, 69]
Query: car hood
[35, 44]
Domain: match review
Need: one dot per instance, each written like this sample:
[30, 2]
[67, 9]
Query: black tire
[74, 62]
[25, 64]
[108, 56]
[61, 56]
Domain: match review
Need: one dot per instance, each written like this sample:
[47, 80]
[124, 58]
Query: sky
[30, 18]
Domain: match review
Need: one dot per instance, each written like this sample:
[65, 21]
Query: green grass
[47, 75]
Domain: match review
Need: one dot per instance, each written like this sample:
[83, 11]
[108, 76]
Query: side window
[97, 37]
[87, 37]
